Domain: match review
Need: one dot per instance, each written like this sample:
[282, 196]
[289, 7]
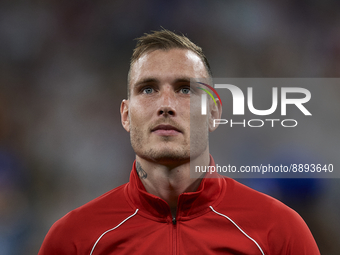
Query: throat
[173, 212]
[165, 182]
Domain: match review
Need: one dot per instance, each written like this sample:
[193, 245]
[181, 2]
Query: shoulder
[239, 198]
[113, 201]
[84, 224]
[279, 227]
[246, 203]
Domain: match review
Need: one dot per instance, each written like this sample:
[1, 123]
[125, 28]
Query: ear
[215, 112]
[124, 114]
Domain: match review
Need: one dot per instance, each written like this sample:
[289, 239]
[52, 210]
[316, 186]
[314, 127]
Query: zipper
[174, 220]
[174, 235]
[175, 227]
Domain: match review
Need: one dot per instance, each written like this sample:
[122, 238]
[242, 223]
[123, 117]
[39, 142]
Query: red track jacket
[221, 217]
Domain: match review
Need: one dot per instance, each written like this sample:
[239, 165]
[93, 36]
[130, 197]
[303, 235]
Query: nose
[167, 103]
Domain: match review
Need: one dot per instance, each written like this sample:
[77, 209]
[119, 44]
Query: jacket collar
[190, 205]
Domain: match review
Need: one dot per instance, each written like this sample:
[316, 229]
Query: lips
[166, 129]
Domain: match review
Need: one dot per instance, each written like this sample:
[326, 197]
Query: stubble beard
[168, 151]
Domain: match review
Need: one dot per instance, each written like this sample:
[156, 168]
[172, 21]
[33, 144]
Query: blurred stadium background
[63, 68]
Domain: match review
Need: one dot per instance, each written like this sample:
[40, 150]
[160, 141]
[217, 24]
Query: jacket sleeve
[291, 236]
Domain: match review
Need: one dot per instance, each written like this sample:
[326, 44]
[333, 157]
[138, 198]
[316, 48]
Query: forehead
[167, 65]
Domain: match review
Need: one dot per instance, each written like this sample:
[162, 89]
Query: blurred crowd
[63, 69]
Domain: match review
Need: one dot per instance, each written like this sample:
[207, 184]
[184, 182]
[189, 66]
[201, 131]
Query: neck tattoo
[142, 174]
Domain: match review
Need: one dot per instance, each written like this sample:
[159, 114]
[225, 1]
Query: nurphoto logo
[239, 104]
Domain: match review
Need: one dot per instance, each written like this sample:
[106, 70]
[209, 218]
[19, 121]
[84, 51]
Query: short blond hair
[164, 40]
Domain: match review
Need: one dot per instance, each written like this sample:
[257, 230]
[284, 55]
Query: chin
[166, 155]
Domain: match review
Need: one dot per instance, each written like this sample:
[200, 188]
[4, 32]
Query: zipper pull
[174, 220]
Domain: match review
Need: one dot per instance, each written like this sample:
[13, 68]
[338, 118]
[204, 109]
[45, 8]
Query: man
[162, 210]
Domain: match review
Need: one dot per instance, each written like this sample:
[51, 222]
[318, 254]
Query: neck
[169, 181]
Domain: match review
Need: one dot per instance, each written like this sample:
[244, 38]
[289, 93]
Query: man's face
[157, 114]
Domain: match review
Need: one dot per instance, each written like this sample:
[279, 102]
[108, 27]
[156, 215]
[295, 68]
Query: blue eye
[185, 90]
[148, 90]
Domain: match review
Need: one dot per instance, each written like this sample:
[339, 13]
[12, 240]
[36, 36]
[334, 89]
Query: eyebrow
[146, 80]
[155, 80]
